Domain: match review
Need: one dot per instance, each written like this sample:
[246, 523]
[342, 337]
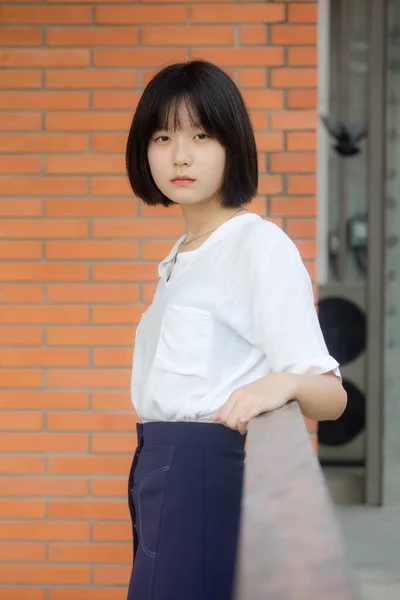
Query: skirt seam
[171, 456]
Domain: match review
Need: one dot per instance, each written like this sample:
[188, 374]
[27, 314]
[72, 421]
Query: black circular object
[349, 425]
[344, 327]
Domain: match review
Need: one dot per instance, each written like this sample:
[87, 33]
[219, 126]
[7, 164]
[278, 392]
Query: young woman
[232, 332]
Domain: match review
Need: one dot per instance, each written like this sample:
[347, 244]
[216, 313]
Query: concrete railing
[290, 546]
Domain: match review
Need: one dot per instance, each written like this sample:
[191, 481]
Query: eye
[202, 136]
[161, 139]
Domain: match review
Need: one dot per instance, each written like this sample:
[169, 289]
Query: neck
[203, 218]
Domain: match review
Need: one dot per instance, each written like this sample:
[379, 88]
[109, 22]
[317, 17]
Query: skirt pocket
[149, 493]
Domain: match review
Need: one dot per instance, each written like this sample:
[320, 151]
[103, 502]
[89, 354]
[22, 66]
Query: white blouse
[226, 314]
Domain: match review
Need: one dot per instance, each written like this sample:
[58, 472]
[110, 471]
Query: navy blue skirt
[185, 490]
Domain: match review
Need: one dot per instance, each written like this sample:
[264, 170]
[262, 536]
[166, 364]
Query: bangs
[170, 112]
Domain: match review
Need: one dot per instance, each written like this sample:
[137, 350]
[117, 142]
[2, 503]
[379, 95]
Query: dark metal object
[290, 546]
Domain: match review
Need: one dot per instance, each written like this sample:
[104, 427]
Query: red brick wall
[79, 255]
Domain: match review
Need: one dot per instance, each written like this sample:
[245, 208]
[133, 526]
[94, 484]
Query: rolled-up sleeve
[285, 316]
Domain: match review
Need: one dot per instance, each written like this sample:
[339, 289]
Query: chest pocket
[185, 341]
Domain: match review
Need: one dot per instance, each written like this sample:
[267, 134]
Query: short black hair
[214, 102]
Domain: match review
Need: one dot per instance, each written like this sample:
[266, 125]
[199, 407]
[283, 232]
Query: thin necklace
[200, 236]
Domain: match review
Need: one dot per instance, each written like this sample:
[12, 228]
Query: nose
[182, 156]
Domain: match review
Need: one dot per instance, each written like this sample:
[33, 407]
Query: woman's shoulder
[265, 239]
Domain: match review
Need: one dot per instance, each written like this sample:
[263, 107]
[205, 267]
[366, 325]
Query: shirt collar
[216, 236]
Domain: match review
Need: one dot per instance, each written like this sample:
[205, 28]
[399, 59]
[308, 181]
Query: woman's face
[187, 153]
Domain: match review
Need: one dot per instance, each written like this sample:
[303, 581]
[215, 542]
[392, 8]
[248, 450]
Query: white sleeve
[285, 317]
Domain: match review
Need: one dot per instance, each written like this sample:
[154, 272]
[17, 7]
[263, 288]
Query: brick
[92, 36]
[43, 314]
[303, 13]
[23, 164]
[45, 57]
[44, 442]
[17, 121]
[28, 421]
[44, 100]
[90, 78]
[252, 78]
[20, 378]
[115, 575]
[89, 465]
[301, 228]
[15, 552]
[307, 249]
[49, 574]
[20, 465]
[25, 509]
[294, 119]
[93, 293]
[294, 78]
[306, 57]
[258, 119]
[116, 314]
[115, 100]
[93, 553]
[20, 36]
[43, 272]
[263, 98]
[291, 162]
[137, 228]
[118, 443]
[270, 184]
[137, 57]
[188, 36]
[88, 207]
[21, 207]
[155, 250]
[110, 401]
[88, 121]
[85, 509]
[45, 15]
[106, 186]
[253, 35]
[19, 593]
[90, 336]
[302, 184]
[85, 163]
[38, 186]
[92, 250]
[45, 531]
[302, 99]
[20, 336]
[117, 357]
[44, 142]
[44, 399]
[109, 142]
[44, 357]
[293, 206]
[234, 13]
[297, 140]
[290, 35]
[107, 15]
[111, 532]
[92, 593]
[20, 79]
[20, 250]
[88, 378]
[43, 229]
[44, 486]
[240, 57]
[269, 142]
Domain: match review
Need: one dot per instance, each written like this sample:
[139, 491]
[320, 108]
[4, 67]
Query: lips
[182, 179]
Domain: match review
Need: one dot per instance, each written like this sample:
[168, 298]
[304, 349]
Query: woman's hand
[264, 395]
